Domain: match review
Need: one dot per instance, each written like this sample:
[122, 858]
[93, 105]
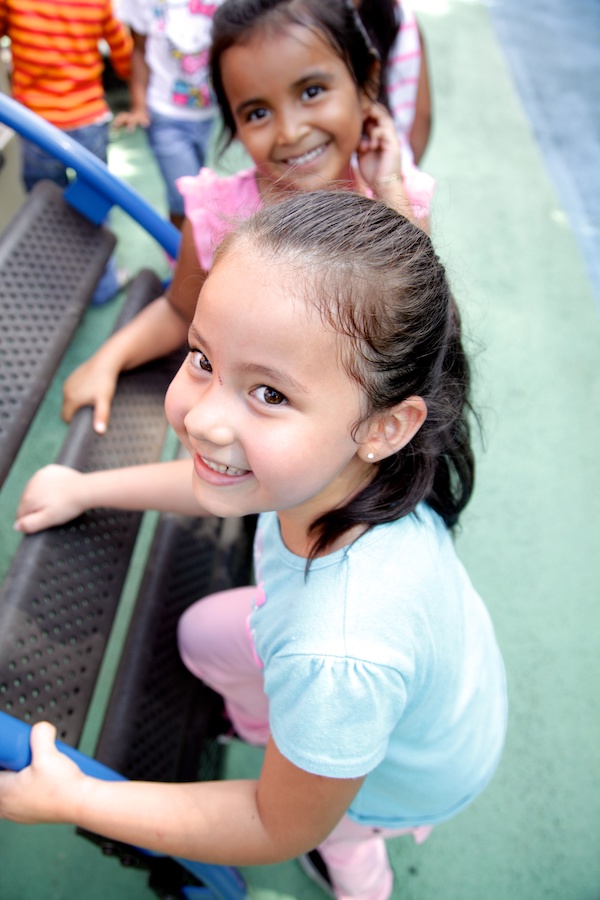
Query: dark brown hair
[375, 278]
[382, 19]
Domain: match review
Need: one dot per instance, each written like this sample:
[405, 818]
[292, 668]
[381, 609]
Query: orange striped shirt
[57, 66]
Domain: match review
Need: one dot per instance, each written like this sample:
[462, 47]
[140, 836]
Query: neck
[297, 541]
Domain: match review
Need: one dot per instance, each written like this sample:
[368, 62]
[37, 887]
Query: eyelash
[313, 87]
[193, 351]
[266, 388]
[253, 117]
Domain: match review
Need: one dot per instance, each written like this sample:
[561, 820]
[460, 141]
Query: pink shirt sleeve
[214, 205]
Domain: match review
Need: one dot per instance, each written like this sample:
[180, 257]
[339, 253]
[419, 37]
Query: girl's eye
[200, 361]
[257, 114]
[312, 91]
[270, 395]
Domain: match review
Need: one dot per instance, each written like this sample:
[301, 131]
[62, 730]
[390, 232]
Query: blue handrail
[95, 189]
[223, 882]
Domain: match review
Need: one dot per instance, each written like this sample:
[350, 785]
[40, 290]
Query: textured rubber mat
[51, 258]
[59, 598]
[161, 721]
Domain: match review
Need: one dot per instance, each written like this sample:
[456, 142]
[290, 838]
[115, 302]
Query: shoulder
[421, 531]
[229, 191]
[134, 13]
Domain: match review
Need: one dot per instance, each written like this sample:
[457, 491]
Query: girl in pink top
[297, 83]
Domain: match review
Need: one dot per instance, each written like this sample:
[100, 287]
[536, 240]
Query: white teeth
[223, 470]
[306, 157]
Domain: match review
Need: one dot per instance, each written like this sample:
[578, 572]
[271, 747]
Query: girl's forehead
[252, 286]
[309, 36]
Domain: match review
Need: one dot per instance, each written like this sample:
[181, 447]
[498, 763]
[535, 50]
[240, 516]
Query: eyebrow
[276, 376]
[267, 374]
[318, 75]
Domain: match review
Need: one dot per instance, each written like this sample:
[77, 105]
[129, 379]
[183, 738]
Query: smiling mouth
[307, 157]
[224, 470]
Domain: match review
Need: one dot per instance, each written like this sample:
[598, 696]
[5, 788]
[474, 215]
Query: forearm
[286, 812]
[140, 75]
[156, 331]
[163, 486]
[390, 190]
[214, 822]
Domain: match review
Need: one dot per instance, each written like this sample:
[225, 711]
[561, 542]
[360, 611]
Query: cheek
[175, 406]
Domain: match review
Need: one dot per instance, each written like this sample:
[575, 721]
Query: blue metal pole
[95, 189]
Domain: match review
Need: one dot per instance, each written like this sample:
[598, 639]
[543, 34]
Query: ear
[392, 429]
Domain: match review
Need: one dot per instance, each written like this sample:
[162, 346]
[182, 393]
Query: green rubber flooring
[531, 536]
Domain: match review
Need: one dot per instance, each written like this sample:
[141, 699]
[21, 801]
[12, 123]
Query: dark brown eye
[271, 396]
[200, 361]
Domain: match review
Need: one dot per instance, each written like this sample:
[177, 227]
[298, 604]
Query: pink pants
[215, 645]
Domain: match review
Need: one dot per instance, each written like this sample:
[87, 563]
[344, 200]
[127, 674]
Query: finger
[102, 414]
[68, 408]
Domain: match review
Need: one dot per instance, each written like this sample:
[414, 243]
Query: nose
[210, 418]
[291, 125]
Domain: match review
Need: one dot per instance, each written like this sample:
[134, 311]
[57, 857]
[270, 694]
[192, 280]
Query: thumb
[43, 739]
[32, 522]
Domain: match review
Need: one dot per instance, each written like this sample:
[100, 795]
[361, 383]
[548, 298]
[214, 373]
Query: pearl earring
[370, 456]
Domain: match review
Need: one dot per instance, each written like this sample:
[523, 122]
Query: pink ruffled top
[216, 204]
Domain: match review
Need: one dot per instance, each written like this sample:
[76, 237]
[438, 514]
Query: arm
[56, 494]
[120, 42]
[285, 813]
[156, 331]
[421, 127]
[138, 86]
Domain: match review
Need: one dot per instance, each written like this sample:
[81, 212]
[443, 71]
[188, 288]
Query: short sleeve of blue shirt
[332, 716]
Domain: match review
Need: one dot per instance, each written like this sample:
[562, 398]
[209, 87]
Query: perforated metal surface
[51, 259]
[59, 598]
[160, 718]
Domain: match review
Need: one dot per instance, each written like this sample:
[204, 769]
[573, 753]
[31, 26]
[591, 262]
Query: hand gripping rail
[15, 754]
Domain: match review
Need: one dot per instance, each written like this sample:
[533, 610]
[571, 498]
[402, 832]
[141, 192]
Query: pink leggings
[215, 645]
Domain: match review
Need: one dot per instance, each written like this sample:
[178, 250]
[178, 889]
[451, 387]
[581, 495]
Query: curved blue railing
[95, 188]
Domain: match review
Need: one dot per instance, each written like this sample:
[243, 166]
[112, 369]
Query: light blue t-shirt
[382, 661]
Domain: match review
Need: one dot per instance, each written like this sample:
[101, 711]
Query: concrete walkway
[514, 222]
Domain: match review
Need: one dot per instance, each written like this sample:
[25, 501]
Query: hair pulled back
[382, 19]
[375, 278]
[236, 21]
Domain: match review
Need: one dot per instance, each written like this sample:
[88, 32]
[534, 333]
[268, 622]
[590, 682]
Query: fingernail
[100, 427]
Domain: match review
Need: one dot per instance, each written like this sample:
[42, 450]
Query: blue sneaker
[111, 282]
